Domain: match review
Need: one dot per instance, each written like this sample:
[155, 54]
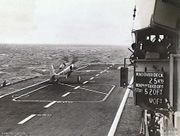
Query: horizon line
[56, 44]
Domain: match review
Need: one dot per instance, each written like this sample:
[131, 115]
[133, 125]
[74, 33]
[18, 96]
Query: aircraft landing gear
[53, 80]
[78, 79]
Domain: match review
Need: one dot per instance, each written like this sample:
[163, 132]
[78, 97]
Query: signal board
[151, 89]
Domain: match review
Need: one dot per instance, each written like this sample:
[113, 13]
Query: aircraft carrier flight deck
[69, 108]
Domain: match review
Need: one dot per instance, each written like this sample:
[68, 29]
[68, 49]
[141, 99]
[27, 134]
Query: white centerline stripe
[119, 67]
[76, 87]
[66, 94]
[101, 72]
[50, 104]
[85, 82]
[91, 78]
[119, 112]
[97, 74]
[67, 84]
[27, 119]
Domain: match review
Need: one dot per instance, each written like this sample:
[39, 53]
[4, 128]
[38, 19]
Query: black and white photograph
[89, 67]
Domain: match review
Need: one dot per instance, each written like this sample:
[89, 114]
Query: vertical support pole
[146, 122]
[171, 79]
[125, 62]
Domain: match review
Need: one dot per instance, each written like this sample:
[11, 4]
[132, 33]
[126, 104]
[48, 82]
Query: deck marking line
[119, 112]
[67, 85]
[107, 95]
[82, 67]
[50, 104]
[119, 67]
[66, 94]
[76, 87]
[97, 75]
[94, 91]
[101, 72]
[27, 119]
[85, 82]
[30, 92]
[23, 88]
[91, 78]
[104, 71]
[44, 115]
[35, 101]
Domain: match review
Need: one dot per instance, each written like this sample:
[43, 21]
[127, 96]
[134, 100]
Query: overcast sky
[106, 22]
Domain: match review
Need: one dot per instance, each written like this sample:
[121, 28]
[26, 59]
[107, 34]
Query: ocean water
[24, 61]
